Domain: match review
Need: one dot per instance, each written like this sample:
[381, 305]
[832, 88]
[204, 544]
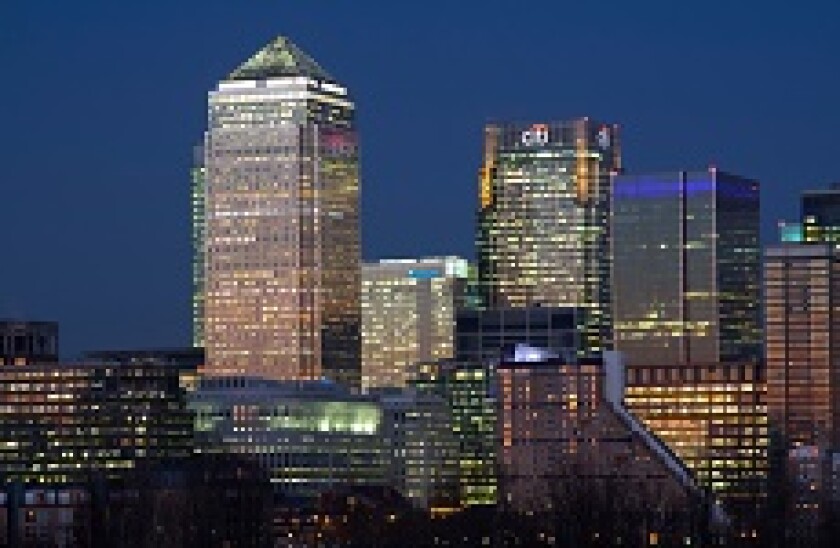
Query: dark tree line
[210, 500]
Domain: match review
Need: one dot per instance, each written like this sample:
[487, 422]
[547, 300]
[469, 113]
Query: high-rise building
[468, 390]
[802, 355]
[281, 208]
[802, 297]
[821, 214]
[408, 315]
[543, 223]
[197, 189]
[24, 342]
[686, 263]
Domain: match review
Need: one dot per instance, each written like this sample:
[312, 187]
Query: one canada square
[282, 248]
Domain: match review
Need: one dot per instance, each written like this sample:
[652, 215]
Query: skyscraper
[802, 292]
[408, 315]
[282, 222]
[543, 232]
[686, 261]
[802, 297]
[197, 177]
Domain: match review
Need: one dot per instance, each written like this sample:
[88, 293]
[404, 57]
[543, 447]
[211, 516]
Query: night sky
[101, 103]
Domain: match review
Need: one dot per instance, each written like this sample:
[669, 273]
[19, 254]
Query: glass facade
[468, 390]
[558, 429]
[423, 461]
[487, 336]
[408, 315]
[714, 418]
[802, 298]
[60, 422]
[685, 249]
[311, 436]
[543, 222]
[281, 206]
[197, 189]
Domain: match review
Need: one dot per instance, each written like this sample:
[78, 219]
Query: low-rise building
[423, 451]
[311, 436]
[60, 423]
[562, 427]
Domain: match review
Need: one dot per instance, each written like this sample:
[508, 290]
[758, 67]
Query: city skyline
[92, 171]
[620, 328]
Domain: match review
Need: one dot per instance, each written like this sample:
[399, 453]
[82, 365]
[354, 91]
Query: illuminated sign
[537, 135]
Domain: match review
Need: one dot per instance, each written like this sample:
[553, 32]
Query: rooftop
[280, 57]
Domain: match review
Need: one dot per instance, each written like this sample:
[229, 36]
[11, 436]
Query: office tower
[281, 210]
[408, 315]
[802, 355]
[468, 390]
[61, 423]
[821, 214]
[312, 437]
[543, 222]
[423, 460]
[714, 418]
[486, 336]
[685, 248]
[23, 342]
[802, 296]
[563, 436]
[197, 189]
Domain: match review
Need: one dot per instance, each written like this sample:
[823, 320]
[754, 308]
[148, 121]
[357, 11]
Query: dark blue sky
[101, 102]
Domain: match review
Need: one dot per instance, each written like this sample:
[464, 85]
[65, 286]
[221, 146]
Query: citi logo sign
[537, 135]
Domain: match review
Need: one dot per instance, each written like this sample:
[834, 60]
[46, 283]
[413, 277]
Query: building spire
[278, 58]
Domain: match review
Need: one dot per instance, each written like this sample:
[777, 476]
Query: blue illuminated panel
[424, 273]
[661, 188]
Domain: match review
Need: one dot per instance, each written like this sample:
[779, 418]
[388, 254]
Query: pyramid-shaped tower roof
[280, 57]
